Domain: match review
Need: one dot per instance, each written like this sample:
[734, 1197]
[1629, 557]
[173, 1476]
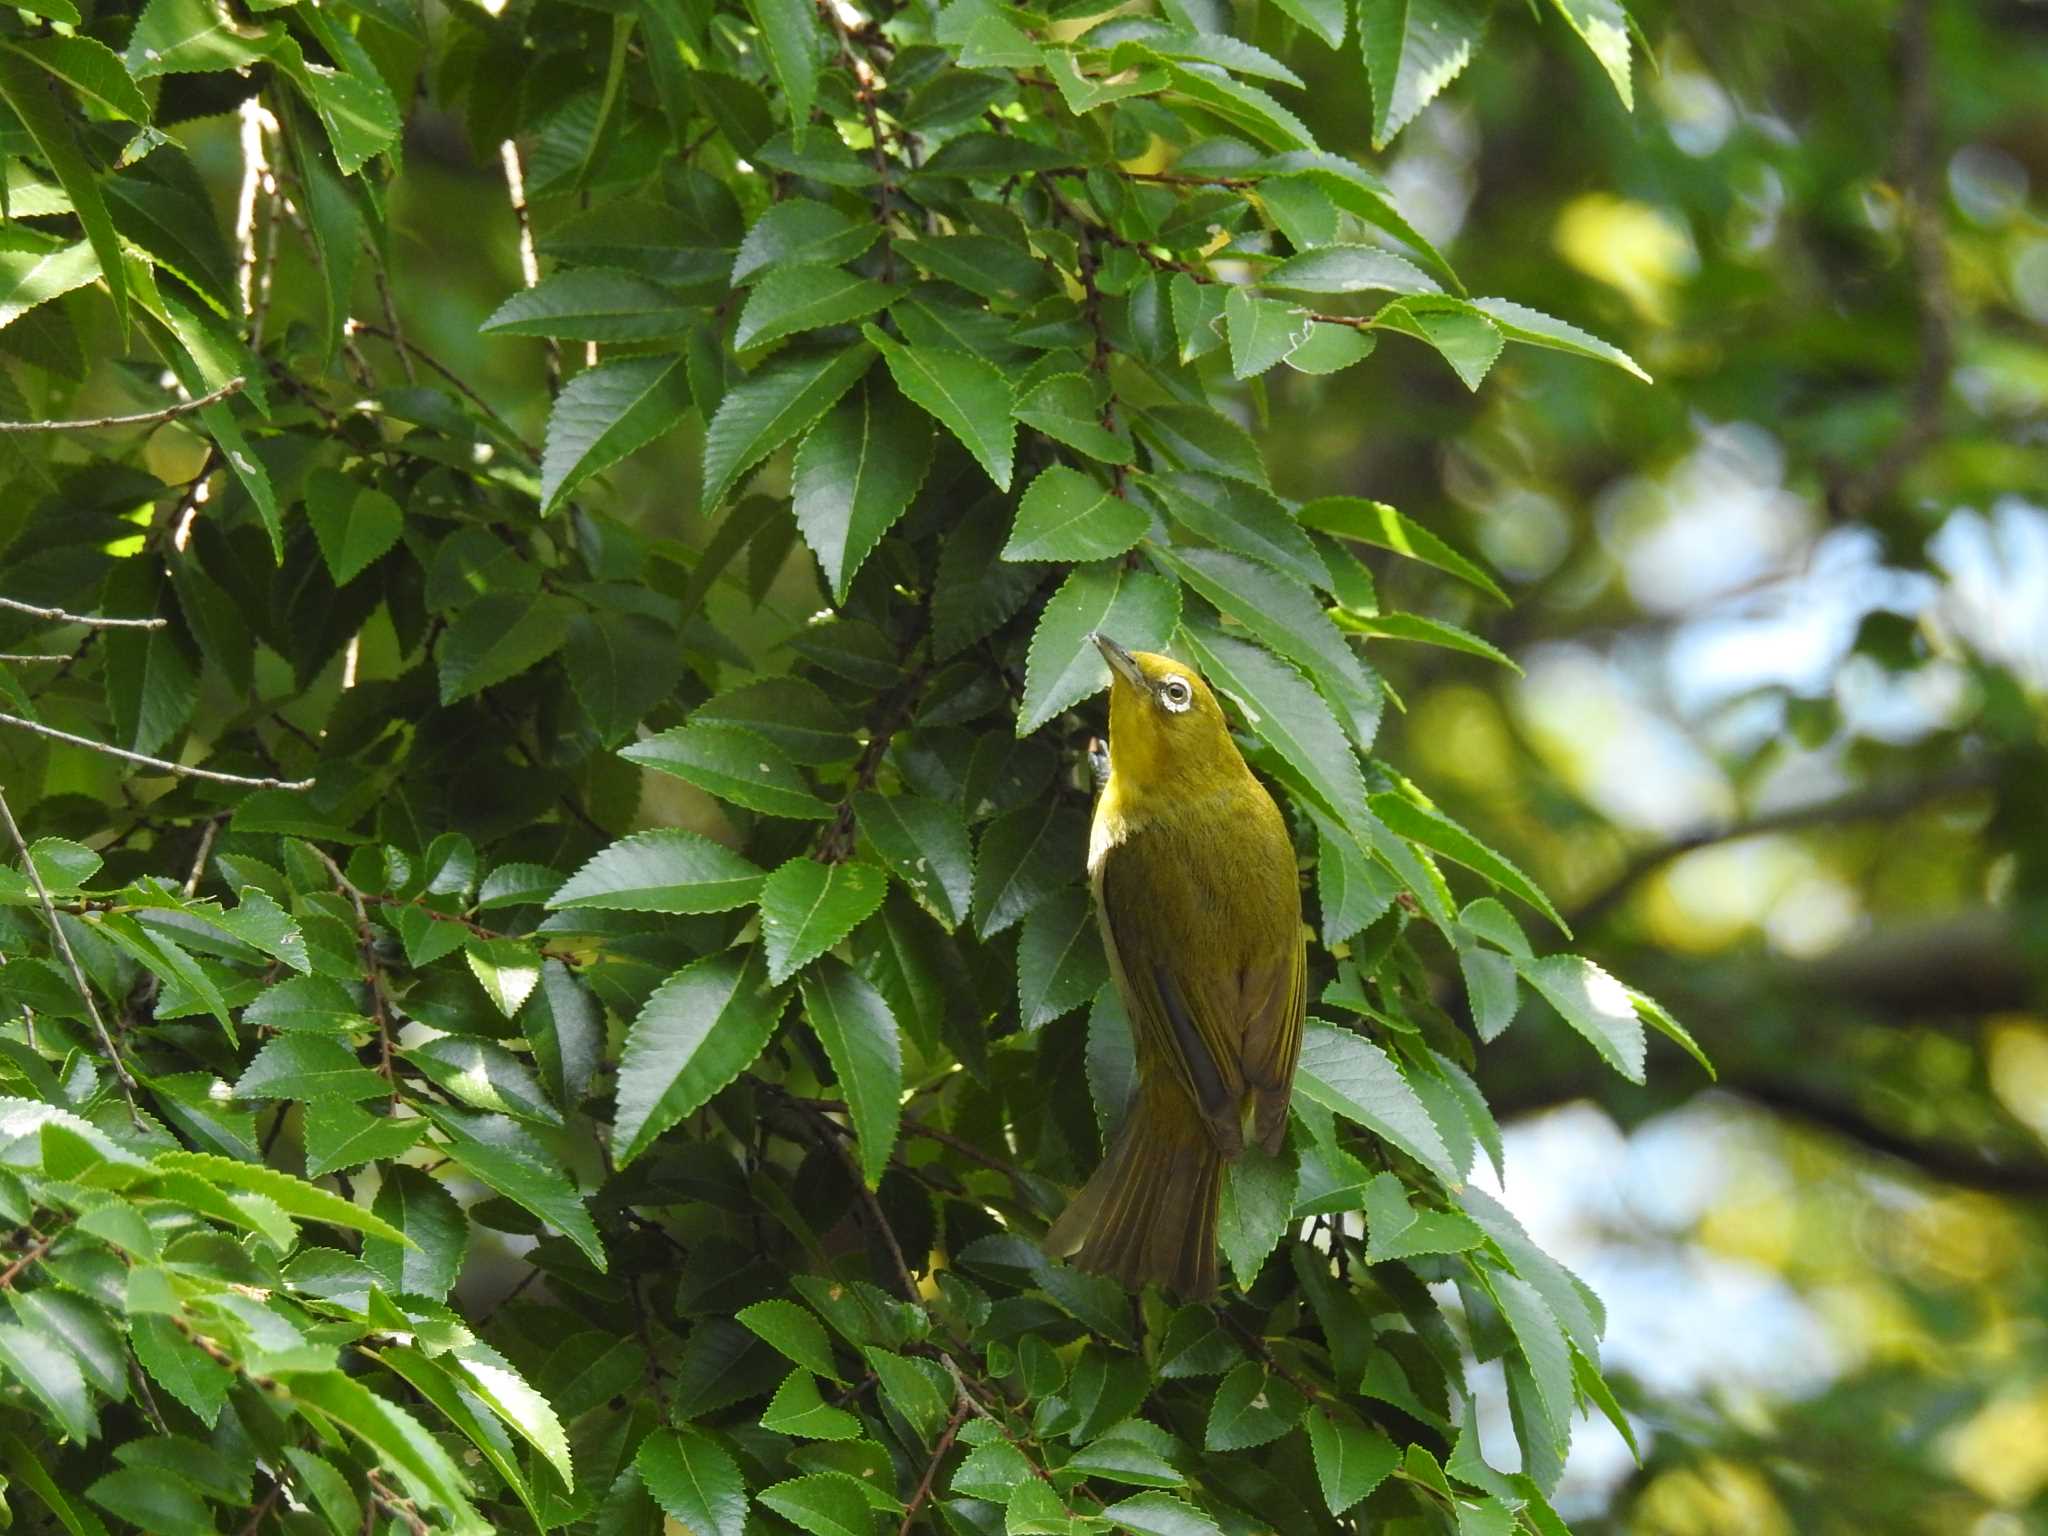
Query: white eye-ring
[1175, 694]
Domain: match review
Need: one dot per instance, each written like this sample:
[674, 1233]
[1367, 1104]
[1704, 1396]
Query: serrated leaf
[798, 1409]
[1603, 26]
[1521, 323]
[592, 304]
[1413, 49]
[507, 1158]
[1160, 1514]
[1426, 631]
[295, 1196]
[1065, 515]
[26, 88]
[1023, 858]
[1658, 1018]
[1376, 523]
[798, 232]
[1466, 339]
[769, 407]
[1349, 269]
[484, 1075]
[436, 1231]
[1066, 408]
[1135, 609]
[497, 637]
[789, 31]
[1542, 1344]
[855, 475]
[1201, 438]
[340, 1135]
[398, 1438]
[693, 1480]
[1347, 1073]
[1060, 960]
[37, 1362]
[507, 969]
[808, 907]
[90, 68]
[606, 413]
[1352, 1457]
[789, 300]
[924, 843]
[669, 869]
[1258, 1199]
[1594, 1004]
[309, 1068]
[822, 1503]
[1252, 1406]
[732, 763]
[696, 1032]
[860, 1037]
[966, 394]
[1440, 834]
[794, 1331]
[1261, 332]
[353, 524]
[1242, 518]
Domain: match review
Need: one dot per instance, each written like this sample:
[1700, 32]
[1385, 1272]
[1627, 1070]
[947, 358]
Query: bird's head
[1167, 733]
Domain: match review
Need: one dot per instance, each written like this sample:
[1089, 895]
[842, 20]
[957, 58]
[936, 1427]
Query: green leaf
[1349, 269]
[693, 1480]
[1521, 323]
[435, 1228]
[1069, 409]
[31, 277]
[1060, 960]
[606, 413]
[1593, 1003]
[1413, 49]
[26, 1468]
[808, 907]
[26, 88]
[592, 304]
[795, 1332]
[1251, 1408]
[966, 394]
[1135, 609]
[1160, 1514]
[1065, 515]
[1427, 631]
[499, 636]
[1440, 834]
[732, 763]
[1324, 18]
[859, 1034]
[665, 870]
[1331, 348]
[484, 1075]
[1654, 1014]
[1261, 331]
[1352, 1457]
[1376, 523]
[789, 34]
[924, 843]
[1284, 711]
[1258, 1198]
[1024, 857]
[696, 1032]
[154, 1501]
[798, 1409]
[822, 1503]
[769, 407]
[1351, 889]
[1491, 989]
[1118, 1459]
[37, 1362]
[90, 68]
[1591, 1384]
[1602, 26]
[789, 300]
[1243, 106]
[1201, 438]
[507, 969]
[1241, 518]
[800, 232]
[855, 475]
[340, 1136]
[1345, 1072]
[308, 1068]
[508, 1159]
[394, 1435]
[354, 524]
[82, 1328]
[297, 1198]
[1272, 608]
[1466, 339]
[1542, 1344]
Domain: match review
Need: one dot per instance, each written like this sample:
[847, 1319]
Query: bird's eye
[1175, 694]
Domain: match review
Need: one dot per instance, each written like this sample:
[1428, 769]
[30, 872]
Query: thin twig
[366, 943]
[140, 419]
[180, 769]
[63, 616]
[391, 320]
[33, 656]
[406, 346]
[529, 260]
[961, 1404]
[63, 942]
[198, 870]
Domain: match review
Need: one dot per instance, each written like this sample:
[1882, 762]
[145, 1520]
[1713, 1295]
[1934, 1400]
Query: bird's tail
[1149, 1212]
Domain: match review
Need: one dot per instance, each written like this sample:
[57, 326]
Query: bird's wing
[1184, 1013]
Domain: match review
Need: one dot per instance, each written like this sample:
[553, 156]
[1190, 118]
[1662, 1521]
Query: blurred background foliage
[1777, 747]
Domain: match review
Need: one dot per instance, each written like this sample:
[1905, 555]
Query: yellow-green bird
[1200, 908]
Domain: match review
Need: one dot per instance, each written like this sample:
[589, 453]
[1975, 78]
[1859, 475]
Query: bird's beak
[1121, 662]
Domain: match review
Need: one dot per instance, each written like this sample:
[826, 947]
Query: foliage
[542, 1036]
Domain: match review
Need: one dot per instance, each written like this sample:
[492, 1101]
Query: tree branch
[1867, 805]
[140, 419]
[63, 616]
[63, 943]
[180, 769]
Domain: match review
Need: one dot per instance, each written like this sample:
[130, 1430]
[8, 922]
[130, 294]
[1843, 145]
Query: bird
[1198, 900]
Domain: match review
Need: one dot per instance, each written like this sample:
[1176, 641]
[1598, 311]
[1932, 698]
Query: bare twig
[33, 656]
[198, 870]
[140, 419]
[158, 763]
[529, 260]
[961, 1405]
[63, 943]
[407, 347]
[94, 620]
[391, 322]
